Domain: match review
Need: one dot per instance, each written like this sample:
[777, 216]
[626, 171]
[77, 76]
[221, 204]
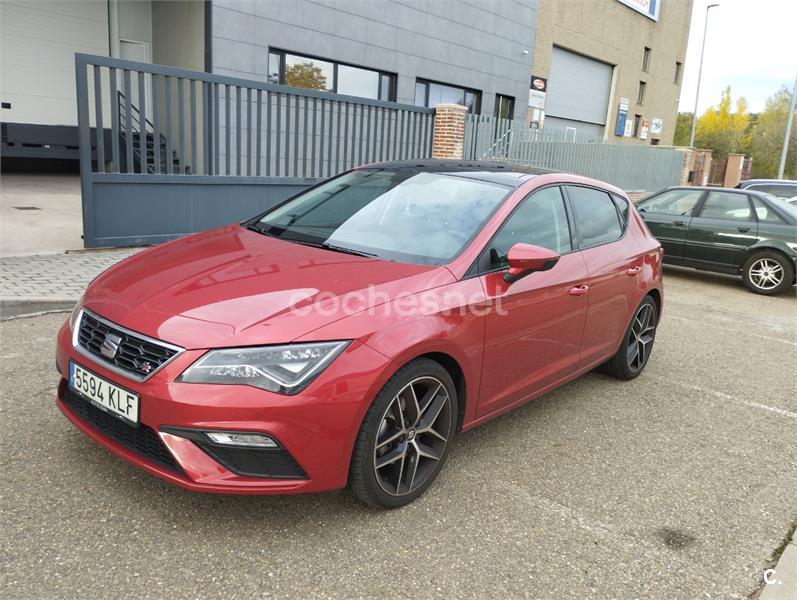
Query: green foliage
[683, 127]
[766, 138]
[721, 130]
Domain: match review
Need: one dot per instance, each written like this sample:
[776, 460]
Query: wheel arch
[454, 369]
[765, 246]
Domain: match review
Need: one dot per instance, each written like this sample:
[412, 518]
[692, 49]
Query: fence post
[448, 138]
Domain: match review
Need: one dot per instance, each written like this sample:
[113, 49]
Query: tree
[766, 139]
[683, 129]
[721, 130]
[306, 75]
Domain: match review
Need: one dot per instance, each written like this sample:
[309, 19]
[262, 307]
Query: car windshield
[405, 215]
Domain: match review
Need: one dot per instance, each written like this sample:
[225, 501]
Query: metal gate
[191, 150]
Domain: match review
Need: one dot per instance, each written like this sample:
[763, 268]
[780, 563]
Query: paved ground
[53, 277]
[39, 214]
[679, 484]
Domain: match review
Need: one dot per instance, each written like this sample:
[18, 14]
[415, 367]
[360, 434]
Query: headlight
[284, 369]
[75, 312]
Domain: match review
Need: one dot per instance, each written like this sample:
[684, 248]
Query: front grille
[141, 440]
[135, 356]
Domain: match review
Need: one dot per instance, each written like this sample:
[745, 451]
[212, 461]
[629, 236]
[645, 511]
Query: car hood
[235, 287]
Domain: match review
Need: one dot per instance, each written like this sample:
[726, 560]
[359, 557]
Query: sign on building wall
[649, 8]
[644, 129]
[656, 125]
[622, 117]
[629, 128]
[537, 89]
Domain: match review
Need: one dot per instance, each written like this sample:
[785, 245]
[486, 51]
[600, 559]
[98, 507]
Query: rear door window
[596, 216]
[727, 205]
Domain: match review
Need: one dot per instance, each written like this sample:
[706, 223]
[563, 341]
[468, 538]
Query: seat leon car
[345, 336]
[729, 231]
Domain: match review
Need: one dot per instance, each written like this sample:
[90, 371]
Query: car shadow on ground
[200, 511]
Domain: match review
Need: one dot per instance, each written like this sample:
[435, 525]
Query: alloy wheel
[412, 436]
[766, 274]
[640, 338]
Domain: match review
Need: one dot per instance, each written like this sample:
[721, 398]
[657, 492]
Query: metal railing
[628, 166]
[218, 125]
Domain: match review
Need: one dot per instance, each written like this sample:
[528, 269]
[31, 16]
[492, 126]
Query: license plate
[109, 397]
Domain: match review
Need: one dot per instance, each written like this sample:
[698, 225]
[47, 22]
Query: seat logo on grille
[110, 346]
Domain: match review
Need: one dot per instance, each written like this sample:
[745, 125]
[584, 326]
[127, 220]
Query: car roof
[754, 181]
[509, 174]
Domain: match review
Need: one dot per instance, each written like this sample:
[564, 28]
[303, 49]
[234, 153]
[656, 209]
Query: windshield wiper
[334, 248]
[260, 228]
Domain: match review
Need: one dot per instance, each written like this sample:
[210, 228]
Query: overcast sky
[751, 46]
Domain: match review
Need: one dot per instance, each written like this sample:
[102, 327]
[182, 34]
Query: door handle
[743, 229]
[578, 290]
[633, 271]
[679, 223]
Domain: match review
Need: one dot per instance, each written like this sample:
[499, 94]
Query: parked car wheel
[637, 345]
[768, 273]
[405, 436]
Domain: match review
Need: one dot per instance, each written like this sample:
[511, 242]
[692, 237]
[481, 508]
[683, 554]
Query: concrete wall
[473, 44]
[37, 64]
[614, 33]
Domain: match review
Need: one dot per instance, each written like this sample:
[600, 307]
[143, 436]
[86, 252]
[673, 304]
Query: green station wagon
[726, 231]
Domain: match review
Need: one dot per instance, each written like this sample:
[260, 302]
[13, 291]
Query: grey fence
[171, 130]
[632, 167]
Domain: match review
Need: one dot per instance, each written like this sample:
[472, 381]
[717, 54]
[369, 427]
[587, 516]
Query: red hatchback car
[345, 336]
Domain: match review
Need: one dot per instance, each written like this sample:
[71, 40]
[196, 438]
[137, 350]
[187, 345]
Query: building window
[646, 60]
[504, 106]
[637, 124]
[640, 97]
[677, 77]
[430, 93]
[313, 73]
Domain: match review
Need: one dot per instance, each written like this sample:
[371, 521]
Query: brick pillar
[733, 170]
[449, 131]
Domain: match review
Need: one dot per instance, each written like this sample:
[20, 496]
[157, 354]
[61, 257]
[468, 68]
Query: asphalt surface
[679, 484]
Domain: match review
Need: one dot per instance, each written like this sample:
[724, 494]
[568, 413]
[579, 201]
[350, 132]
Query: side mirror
[525, 259]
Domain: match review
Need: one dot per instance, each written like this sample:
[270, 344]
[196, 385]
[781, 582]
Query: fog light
[229, 438]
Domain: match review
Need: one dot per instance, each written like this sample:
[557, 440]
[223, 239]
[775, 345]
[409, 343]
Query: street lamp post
[699, 75]
[785, 150]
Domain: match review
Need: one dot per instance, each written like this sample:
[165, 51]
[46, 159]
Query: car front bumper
[315, 429]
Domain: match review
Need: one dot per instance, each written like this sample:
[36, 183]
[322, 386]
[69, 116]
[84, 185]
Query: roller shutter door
[578, 93]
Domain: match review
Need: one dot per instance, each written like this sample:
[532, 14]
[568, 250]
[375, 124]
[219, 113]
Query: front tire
[637, 345]
[768, 273]
[405, 436]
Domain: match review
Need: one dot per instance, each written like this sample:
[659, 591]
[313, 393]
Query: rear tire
[405, 436]
[768, 273]
[637, 345]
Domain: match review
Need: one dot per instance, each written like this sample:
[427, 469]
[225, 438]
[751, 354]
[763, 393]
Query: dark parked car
[782, 188]
[727, 231]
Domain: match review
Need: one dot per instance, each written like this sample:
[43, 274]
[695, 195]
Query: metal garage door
[578, 93]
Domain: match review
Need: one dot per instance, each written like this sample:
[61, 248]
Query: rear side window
[622, 208]
[766, 214]
[540, 220]
[595, 214]
[727, 205]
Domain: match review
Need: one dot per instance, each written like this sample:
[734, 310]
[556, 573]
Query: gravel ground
[679, 484]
